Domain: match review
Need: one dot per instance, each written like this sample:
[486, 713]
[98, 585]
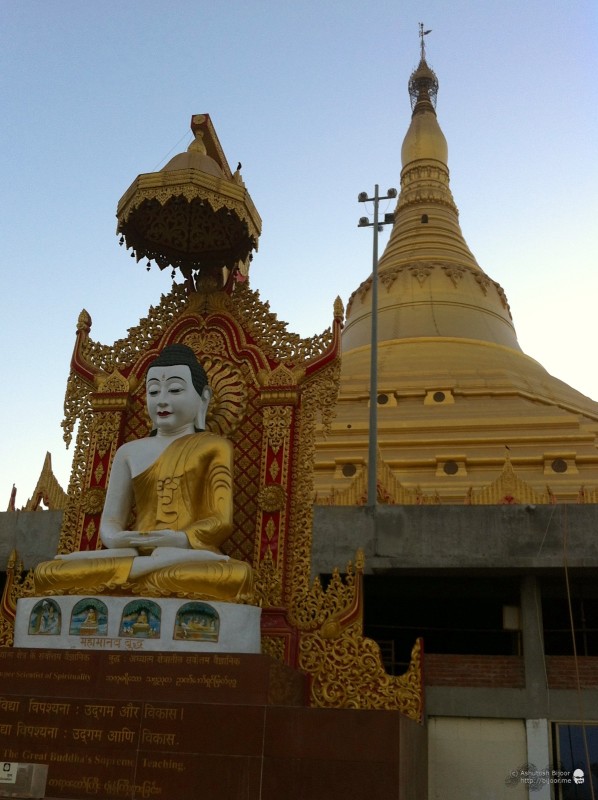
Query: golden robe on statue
[188, 488]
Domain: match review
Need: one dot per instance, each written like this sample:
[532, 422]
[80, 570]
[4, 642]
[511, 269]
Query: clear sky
[311, 96]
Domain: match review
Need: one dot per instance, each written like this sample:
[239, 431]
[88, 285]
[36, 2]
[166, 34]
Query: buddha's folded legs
[206, 580]
[230, 580]
[83, 576]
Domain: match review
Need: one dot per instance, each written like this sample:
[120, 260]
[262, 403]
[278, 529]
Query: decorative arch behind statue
[272, 389]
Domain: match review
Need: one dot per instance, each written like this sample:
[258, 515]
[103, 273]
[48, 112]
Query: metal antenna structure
[377, 225]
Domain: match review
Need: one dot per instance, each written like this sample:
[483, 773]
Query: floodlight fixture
[378, 226]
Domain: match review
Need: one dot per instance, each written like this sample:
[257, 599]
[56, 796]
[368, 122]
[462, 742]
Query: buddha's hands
[166, 538]
[118, 539]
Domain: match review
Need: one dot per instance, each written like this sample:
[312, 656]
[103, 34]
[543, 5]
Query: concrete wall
[34, 535]
[456, 537]
[471, 758]
[395, 537]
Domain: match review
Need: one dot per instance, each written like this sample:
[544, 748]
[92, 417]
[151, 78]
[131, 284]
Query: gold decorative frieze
[455, 274]
[420, 272]
[483, 282]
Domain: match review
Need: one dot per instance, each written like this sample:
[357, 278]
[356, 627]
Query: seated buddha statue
[178, 484]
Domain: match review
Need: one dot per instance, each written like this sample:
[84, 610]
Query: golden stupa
[464, 415]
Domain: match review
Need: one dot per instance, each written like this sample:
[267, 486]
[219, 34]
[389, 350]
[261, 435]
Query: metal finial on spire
[423, 33]
[423, 83]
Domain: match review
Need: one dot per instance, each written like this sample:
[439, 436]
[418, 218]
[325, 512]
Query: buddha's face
[173, 403]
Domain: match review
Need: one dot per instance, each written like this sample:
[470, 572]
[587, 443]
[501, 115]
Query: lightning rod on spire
[423, 33]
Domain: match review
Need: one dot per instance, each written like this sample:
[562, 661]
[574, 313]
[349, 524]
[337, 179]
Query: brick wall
[562, 673]
[468, 670]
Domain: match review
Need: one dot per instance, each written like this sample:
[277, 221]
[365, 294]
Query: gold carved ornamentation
[114, 383]
[422, 270]
[319, 606]
[455, 274]
[93, 500]
[272, 498]
[317, 403]
[229, 402]
[16, 586]
[277, 421]
[47, 490]
[416, 188]
[105, 431]
[421, 273]
[126, 351]
[584, 495]
[90, 530]
[274, 469]
[274, 646]
[270, 529]
[388, 277]
[360, 292]
[268, 582]
[346, 667]
[84, 322]
[508, 489]
[77, 406]
[348, 673]
[389, 490]
[503, 298]
[206, 342]
[282, 376]
[272, 334]
[483, 282]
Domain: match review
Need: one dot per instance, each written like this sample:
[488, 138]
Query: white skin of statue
[175, 409]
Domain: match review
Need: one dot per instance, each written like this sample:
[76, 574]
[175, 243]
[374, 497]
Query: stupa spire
[422, 40]
[425, 198]
[425, 263]
[423, 83]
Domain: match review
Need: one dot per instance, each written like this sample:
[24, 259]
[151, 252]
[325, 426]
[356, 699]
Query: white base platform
[75, 622]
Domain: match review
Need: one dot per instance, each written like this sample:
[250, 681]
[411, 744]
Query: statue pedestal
[123, 726]
[133, 624]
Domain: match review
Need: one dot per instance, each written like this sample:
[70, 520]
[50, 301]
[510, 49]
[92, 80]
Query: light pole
[364, 222]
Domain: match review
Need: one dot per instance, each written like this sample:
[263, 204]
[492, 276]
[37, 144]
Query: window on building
[459, 615]
[572, 743]
[558, 638]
